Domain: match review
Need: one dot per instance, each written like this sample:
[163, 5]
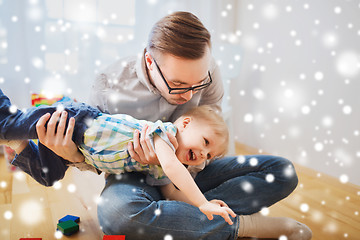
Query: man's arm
[141, 149]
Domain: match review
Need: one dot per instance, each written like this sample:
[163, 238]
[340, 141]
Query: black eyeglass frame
[183, 90]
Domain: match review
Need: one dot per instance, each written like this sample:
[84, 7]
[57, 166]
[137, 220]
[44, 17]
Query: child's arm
[170, 192]
[180, 176]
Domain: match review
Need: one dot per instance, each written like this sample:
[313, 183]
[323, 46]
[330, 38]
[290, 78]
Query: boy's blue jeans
[37, 160]
[130, 207]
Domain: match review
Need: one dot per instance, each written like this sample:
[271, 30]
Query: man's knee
[287, 174]
[112, 218]
[120, 204]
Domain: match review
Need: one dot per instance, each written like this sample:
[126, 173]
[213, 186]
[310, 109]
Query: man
[175, 73]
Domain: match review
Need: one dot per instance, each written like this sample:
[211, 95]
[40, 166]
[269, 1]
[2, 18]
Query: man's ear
[149, 61]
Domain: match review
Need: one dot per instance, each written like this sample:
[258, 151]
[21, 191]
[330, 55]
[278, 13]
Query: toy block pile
[68, 225]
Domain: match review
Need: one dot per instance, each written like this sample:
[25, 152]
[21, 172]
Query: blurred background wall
[290, 68]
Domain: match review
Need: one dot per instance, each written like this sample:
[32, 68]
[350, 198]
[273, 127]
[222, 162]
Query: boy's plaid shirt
[106, 140]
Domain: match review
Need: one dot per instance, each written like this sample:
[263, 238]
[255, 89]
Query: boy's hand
[215, 207]
[55, 139]
[221, 203]
[141, 150]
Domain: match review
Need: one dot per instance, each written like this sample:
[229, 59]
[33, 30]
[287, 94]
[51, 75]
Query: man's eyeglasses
[207, 83]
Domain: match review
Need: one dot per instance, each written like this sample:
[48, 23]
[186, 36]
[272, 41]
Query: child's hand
[220, 202]
[217, 207]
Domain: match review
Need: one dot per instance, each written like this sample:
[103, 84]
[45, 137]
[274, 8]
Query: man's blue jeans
[130, 207]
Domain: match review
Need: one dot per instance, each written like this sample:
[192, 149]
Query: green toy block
[68, 227]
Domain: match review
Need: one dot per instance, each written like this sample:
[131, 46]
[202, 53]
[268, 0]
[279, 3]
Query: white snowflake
[304, 207]
[347, 110]
[157, 212]
[8, 215]
[253, 162]
[241, 159]
[344, 178]
[168, 237]
[247, 187]
[248, 118]
[270, 178]
[71, 188]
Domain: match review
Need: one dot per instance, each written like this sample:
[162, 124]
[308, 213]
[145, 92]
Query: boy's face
[178, 73]
[197, 141]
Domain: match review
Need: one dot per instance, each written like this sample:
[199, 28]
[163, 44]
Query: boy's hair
[211, 117]
[180, 34]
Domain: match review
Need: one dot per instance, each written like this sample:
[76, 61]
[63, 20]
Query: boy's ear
[186, 121]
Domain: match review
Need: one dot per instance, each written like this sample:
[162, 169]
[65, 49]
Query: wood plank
[5, 182]
[5, 223]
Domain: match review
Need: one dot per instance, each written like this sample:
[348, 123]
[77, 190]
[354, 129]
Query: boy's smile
[196, 141]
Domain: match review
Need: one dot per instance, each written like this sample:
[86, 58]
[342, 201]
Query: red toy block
[114, 237]
[30, 239]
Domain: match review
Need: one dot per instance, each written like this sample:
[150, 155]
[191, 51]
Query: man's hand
[55, 139]
[141, 149]
[217, 207]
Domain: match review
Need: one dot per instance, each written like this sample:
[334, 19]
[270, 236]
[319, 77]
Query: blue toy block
[70, 217]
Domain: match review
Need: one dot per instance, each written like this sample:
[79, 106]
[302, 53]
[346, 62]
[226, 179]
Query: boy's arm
[180, 176]
[177, 172]
[170, 192]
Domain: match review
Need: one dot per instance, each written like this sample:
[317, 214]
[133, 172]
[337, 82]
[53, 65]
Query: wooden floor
[36, 209]
[27, 209]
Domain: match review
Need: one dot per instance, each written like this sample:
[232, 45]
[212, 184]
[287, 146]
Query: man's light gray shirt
[124, 87]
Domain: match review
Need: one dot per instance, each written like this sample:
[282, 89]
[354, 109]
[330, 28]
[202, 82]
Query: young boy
[103, 139]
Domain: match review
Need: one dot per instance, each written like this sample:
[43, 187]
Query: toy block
[114, 237]
[70, 217]
[68, 228]
[30, 239]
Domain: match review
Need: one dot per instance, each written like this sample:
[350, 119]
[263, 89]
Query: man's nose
[188, 95]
